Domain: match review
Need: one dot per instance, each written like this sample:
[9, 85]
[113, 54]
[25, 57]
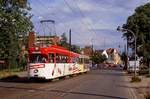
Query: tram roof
[53, 49]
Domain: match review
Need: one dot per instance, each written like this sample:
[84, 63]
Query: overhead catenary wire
[39, 15]
[73, 11]
[83, 15]
[87, 24]
[79, 36]
[46, 8]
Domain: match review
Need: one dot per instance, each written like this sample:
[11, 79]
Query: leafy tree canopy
[97, 57]
[139, 23]
[75, 48]
[64, 43]
[14, 21]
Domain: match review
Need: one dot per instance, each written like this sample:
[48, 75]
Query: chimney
[31, 39]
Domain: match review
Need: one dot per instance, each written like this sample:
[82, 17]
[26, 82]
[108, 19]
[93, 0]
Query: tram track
[97, 84]
[62, 87]
[51, 88]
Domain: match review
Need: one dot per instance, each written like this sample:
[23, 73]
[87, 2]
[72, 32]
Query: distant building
[31, 39]
[87, 50]
[112, 56]
[42, 40]
[98, 51]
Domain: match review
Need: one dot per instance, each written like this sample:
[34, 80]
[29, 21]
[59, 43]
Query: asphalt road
[96, 84]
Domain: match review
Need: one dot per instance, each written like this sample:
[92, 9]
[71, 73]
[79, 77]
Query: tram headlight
[36, 71]
[36, 48]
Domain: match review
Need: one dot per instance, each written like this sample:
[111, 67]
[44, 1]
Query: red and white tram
[55, 61]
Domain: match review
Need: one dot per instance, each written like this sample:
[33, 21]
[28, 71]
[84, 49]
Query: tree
[124, 59]
[75, 48]
[139, 23]
[63, 41]
[14, 21]
[98, 58]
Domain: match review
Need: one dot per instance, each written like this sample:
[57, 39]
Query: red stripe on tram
[37, 66]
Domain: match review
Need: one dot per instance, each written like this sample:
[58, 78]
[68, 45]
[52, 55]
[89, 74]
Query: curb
[132, 92]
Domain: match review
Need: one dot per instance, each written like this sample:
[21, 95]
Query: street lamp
[123, 30]
[92, 50]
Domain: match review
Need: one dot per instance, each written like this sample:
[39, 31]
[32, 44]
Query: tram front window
[38, 58]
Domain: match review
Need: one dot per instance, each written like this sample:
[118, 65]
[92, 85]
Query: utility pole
[127, 30]
[126, 56]
[70, 39]
[92, 51]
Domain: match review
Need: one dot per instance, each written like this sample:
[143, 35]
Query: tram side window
[87, 61]
[81, 60]
[38, 58]
[75, 60]
[51, 57]
[61, 58]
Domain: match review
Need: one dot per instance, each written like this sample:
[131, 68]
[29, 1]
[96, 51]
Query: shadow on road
[18, 79]
[66, 92]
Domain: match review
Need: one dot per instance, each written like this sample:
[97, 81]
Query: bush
[98, 58]
[143, 70]
[136, 79]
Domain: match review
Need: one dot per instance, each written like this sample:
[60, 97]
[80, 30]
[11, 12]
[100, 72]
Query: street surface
[96, 84]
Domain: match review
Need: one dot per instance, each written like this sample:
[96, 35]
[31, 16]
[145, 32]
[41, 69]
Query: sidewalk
[4, 74]
[23, 74]
[139, 89]
[143, 87]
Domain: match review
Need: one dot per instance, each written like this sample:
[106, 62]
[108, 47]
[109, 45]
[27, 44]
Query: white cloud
[86, 6]
[99, 15]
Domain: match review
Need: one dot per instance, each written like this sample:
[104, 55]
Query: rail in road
[96, 84]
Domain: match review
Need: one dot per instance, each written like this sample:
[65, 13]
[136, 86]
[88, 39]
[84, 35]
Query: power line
[87, 24]
[39, 3]
[62, 22]
[75, 12]
[82, 15]
[43, 6]
[42, 9]
[66, 3]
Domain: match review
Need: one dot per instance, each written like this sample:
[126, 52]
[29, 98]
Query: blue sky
[91, 21]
